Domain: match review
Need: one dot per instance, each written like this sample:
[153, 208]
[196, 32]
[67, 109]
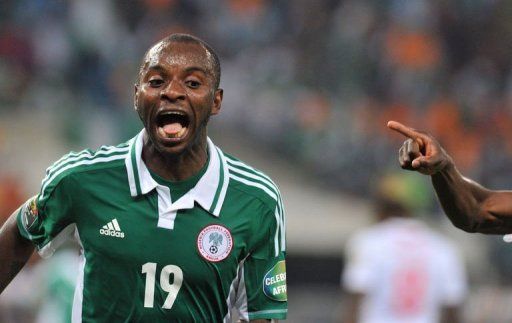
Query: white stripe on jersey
[237, 299]
[266, 184]
[255, 177]
[79, 155]
[85, 162]
[251, 183]
[239, 163]
[76, 312]
[225, 182]
[83, 155]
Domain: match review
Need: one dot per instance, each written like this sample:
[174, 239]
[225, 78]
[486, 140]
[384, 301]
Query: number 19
[149, 269]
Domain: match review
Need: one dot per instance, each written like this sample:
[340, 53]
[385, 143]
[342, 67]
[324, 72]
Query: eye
[155, 82]
[193, 84]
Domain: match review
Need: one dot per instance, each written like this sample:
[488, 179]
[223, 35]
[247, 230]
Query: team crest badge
[214, 243]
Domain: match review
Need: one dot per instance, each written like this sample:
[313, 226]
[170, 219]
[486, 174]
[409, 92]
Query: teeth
[178, 113]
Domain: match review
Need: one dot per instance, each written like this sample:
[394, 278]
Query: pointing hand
[420, 152]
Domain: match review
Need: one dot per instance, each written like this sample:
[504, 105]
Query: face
[176, 95]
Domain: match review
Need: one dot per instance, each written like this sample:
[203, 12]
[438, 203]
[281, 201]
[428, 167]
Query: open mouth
[172, 124]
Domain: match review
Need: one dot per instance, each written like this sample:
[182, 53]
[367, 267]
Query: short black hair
[186, 38]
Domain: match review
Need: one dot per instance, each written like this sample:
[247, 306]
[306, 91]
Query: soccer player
[171, 228]
[401, 271]
[470, 206]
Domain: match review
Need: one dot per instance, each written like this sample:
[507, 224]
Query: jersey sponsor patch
[274, 282]
[30, 212]
[214, 243]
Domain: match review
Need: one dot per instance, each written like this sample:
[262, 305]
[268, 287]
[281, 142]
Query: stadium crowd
[322, 77]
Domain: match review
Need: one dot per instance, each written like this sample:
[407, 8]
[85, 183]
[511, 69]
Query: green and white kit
[216, 247]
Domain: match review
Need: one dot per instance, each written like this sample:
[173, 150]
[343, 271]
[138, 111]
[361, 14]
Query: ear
[135, 96]
[217, 101]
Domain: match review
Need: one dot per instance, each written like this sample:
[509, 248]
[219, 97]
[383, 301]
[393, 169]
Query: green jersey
[146, 257]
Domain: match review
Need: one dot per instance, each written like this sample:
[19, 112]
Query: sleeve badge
[274, 282]
[30, 212]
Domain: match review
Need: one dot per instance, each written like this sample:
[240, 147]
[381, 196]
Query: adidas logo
[112, 229]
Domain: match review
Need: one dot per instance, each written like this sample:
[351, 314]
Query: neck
[176, 167]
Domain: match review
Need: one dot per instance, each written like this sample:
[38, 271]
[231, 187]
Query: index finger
[404, 130]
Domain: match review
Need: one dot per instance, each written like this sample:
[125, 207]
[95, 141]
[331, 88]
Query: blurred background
[309, 86]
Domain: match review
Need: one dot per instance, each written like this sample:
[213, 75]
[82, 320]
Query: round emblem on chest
[214, 243]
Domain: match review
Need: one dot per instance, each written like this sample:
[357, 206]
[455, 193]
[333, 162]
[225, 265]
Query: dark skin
[14, 251]
[175, 77]
[470, 206]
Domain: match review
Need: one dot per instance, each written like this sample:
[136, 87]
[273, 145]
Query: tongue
[172, 128]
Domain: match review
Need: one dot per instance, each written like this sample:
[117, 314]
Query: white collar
[209, 191]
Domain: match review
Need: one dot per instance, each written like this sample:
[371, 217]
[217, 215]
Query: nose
[174, 91]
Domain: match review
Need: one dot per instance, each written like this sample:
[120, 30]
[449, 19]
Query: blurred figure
[399, 270]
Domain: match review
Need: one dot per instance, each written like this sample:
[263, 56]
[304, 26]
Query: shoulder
[250, 186]
[82, 162]
[252, 182]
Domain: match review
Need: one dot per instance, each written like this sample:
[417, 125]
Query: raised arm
[470, 206]
[14, 251]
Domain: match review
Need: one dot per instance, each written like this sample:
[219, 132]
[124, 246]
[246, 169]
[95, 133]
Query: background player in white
[400, 271]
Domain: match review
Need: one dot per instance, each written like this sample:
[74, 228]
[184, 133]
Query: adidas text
[112, 229]
[113, 233]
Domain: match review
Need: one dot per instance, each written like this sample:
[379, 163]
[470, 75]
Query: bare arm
[470, 206]
[14, 251]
